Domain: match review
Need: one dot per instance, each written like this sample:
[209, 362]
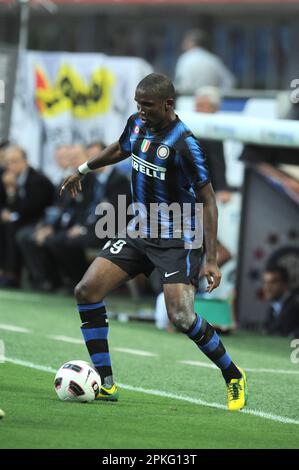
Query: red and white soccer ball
[77, 381]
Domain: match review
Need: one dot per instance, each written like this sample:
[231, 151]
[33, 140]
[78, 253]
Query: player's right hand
[213, 276]
[72, 184]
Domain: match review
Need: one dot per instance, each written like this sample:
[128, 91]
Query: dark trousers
[60, 256]
[38, 260]
[69, 255]
[10, 256]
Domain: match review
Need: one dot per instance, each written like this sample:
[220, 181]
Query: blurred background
[68, 72]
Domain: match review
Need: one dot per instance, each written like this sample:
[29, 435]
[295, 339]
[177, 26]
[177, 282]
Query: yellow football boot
[108, 394]
[237, 392]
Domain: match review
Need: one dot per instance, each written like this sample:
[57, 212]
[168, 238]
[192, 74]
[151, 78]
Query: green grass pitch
[164, 404]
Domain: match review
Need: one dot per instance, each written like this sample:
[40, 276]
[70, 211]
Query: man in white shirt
[197, 67]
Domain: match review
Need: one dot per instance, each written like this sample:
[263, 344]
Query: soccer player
[168, 166]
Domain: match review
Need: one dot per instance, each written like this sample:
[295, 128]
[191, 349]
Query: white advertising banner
[64, 98]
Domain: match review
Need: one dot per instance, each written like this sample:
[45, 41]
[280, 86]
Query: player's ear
[169, 104]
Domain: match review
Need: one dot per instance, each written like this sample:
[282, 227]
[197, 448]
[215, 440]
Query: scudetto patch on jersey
[145, 145]
[163, 152]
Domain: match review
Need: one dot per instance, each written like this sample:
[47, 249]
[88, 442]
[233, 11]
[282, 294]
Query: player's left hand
[213, 275]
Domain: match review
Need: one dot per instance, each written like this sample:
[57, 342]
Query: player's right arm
[109, 156]
[195, 166]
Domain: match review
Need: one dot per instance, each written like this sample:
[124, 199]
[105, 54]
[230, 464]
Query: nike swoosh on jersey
[170, 274]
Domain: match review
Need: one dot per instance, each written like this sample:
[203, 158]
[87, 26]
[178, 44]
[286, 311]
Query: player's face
[154, 112]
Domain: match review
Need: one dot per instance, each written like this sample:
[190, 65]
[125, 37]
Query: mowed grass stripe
[39, 420]
[34, 298]
[137, 352]
[247, 369]
[261, 414]
[58, 316]
[66, 339]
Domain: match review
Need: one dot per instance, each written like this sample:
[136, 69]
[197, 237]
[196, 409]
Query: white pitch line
[273, 371]
[136, 352]
[30, 365]
[261, 414]
[16, 329]
[198, 364]
[67, 339]
[247, 369]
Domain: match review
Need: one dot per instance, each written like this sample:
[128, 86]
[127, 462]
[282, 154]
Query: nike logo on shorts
[171, 274]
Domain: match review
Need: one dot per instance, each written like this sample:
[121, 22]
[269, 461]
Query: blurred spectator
[282, 316]
[207, 100]
[41, 267]
[253, 154]
[271, 154]
[46, 272]
[24, 196]
[293, 112]
[94, 148]
[3, 145]
[197, 67]
[69, 249]
[63, 159]
[55, 251]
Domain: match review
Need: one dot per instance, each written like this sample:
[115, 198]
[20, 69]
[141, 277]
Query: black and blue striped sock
[208, 341]
[95, 329]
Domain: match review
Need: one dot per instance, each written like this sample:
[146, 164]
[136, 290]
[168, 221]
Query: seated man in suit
[283, 313]
[24, 195]
[68, 248]
[55, 250]
[3, 145]
[59, 224]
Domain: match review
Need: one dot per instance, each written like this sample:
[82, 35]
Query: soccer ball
[77, 381]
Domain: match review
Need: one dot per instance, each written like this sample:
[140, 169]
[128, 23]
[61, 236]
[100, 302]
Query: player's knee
[181, 322]
[82, 293]
[87, 293]
[180, 318]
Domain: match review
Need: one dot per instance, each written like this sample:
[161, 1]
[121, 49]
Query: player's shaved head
[158, 85]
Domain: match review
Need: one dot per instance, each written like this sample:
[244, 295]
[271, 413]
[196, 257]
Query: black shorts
[136, 256]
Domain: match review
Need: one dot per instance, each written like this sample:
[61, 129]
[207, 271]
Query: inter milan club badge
[136, 130]
[145, 145]
[163, 151]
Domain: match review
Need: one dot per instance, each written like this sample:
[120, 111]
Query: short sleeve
[124, 140]
[194, 161]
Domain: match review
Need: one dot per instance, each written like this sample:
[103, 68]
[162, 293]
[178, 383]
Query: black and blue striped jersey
[166, 165]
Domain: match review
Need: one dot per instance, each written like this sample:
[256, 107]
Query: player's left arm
[205, 195]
